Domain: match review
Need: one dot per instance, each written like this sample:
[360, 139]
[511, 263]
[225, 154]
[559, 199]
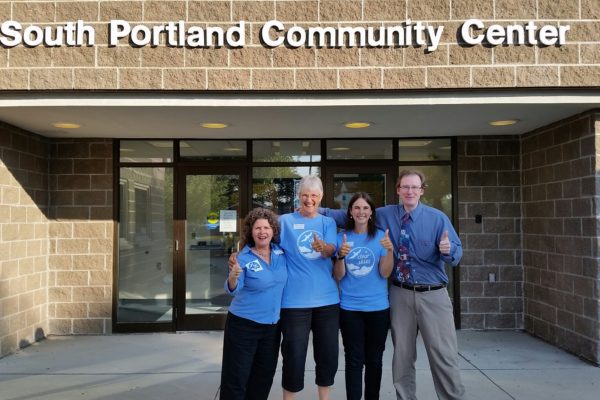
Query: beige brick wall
[81, 237]
[560, 189]
[56, 237]
[23, 238]
[255, 67]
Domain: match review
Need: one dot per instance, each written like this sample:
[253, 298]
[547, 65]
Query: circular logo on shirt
[360, 261]
[303, 244]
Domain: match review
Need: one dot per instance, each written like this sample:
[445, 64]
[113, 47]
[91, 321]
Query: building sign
[274, 34]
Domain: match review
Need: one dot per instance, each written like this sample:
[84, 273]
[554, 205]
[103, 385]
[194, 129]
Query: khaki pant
[429, 313]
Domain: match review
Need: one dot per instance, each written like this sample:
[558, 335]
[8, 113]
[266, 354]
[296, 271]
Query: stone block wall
[489, 182]
[256, 67]
[56, 237]
[560, 234]
[23, 238]
[81, 237]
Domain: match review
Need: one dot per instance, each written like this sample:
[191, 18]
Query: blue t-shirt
[363, 287]
[260, 286]
[310, 280]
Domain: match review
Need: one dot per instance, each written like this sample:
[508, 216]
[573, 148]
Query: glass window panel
[352, 149]
[209, 243]
[145, 283]
[146, 151]
[286, 150]
[346, 185]
[213, 149]
[424, 149]
[276, 187]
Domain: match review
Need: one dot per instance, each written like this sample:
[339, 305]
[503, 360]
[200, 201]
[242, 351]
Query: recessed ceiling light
[357, 125]
[214, 125]
[66, 125]
[504, 122]
[340, 148]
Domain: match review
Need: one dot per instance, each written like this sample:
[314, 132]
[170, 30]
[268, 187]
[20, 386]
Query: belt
[418, 288]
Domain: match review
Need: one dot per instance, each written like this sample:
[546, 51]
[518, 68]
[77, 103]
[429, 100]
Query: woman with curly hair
[251, 338]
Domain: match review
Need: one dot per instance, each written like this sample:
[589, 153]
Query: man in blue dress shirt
[424, 241]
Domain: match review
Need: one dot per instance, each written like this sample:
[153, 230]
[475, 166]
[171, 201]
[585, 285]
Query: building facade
[92, 218]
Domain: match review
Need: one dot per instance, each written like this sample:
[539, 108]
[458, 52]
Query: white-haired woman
[310, 297]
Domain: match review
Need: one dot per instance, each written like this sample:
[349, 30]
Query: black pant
[364, 334]
[250, 352]
[296, 324]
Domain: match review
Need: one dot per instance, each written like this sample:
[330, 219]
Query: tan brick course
[384, 10]
[465, 9]
[360, 79]
[33, 11]
[126, 10]
[122, 56]
[296, 10]
[311, 79]
[253, 10]
[73, 11]
[209, 11]
[448, 77]
[515, 9]
[164, 11]
[185, 79]
[428, 10]
[493, 77]
[272, 79]
[340, 10]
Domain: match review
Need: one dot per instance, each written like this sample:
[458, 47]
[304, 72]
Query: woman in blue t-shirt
[251, 338]
[364, 262]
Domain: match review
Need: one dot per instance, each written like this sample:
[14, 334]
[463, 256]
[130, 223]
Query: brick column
[560, 234]
[491, 272]
[24, 238]
[81, 231]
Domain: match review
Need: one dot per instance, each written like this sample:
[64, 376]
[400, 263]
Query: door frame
[181, 321]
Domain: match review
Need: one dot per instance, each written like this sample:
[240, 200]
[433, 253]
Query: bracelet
[340, 258]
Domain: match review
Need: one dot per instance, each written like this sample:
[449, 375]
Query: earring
[351, 217]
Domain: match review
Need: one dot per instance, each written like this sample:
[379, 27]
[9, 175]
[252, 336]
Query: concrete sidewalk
[495, 366]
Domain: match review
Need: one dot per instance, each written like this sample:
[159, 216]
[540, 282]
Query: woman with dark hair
[364, 262]
[251, 337]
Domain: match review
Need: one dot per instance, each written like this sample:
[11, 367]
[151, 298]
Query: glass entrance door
[207, 233]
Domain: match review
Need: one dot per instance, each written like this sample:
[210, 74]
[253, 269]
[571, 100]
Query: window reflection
[145, 245]
[275, 188]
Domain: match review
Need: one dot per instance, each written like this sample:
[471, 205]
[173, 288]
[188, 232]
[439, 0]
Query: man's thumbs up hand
[444, 245]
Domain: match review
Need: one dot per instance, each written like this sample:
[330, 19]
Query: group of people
[296, 274]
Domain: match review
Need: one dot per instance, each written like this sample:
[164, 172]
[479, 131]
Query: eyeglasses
[408, 188]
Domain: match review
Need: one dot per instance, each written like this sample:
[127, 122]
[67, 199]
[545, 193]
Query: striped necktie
[403, 266]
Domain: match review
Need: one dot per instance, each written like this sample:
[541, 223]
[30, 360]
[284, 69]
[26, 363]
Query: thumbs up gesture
[344, 248]
[386, 242]
[234, 272]
[444, 245]
[317, 245]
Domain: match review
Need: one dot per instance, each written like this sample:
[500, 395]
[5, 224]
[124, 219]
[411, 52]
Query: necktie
[403, 266]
